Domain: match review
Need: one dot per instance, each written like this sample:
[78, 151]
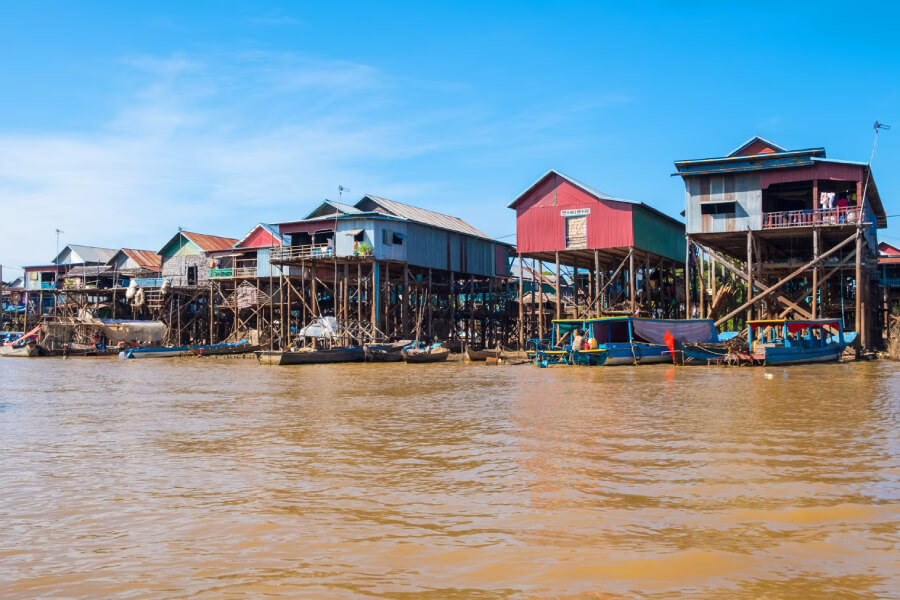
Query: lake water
[202, 478]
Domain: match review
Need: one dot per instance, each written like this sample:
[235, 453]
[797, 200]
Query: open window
[191, 276]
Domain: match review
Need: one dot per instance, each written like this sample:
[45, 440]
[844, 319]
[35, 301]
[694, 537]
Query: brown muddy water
[200, 478]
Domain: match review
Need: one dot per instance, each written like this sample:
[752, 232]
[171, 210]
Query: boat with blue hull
[611, 341]
[793, 342]
[161, 352]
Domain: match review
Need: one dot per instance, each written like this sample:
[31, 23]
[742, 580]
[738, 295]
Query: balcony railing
[232, 272]
[308, 251]
[889, 281]
[843, 215]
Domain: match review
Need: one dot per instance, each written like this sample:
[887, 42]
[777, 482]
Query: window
[360, 236]
[576, 232]
[191, 276]
[719, 208]
[386, 237]
[397, 238]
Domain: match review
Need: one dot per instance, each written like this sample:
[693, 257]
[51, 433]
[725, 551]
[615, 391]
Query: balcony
[306, 252]
[231, 273]
[845, 215]
[890, 282]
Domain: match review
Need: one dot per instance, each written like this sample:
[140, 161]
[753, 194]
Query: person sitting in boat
[578, 340]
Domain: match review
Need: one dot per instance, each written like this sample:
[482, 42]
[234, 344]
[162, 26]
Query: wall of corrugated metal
[263, 267]
[344, 242]
[541, 227]
[427, 247]
[389, 251]
[658, 235]
[501, 261]
[741, 188]
[822, 170]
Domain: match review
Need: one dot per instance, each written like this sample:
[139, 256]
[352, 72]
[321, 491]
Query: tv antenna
[878, 126]
[341, 190]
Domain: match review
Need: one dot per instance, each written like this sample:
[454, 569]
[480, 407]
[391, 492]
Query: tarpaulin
[654, 331]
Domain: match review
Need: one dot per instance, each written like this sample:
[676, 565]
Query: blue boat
[622, 340]
[792, 342]
[161, 352]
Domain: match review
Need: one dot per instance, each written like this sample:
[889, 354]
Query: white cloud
[193, 146]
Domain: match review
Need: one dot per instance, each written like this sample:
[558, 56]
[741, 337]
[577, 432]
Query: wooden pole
[521, 303]
[430, 308]
[815, 274]
[859, 290]
[631, 286]
[404, 327]
[540, 322]
[373, 301]
[558, 298]
[749, 275]
[598, 282]
[211, 313]
[687, 278]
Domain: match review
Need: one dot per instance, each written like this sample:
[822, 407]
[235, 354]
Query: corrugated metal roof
[88, 254]
[146, 259]
[422, 215]
[208, 243]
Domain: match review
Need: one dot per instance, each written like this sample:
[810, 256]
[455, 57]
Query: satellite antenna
[878, 126]
[341, 190]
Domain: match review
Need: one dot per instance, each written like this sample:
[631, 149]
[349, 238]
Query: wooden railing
[843, 215]
[308, 251]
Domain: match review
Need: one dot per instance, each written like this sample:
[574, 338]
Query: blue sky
[120, 122]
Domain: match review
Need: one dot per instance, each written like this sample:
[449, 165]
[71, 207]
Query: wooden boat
[430, 355]
[391, 353]
[241, 347]
[481, 355]
[28, 349]
[160, 352]
[792, 342]
[310, 356]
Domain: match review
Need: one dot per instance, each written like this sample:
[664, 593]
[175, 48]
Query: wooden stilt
[521, 303]
[558, 295]
[631, 286]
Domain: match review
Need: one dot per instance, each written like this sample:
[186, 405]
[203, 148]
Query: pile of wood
[720, 301]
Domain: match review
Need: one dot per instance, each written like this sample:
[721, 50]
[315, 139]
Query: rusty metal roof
[208, 243]
[422, 215]
[146, 259]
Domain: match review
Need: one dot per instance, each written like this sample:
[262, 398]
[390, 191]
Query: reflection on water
[217, 478]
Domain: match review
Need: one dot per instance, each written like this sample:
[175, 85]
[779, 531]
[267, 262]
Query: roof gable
[330, 207]
[596, 194]
[888, 250]
[74, 254]
[261, 236]
[757, 145]
[209, 243]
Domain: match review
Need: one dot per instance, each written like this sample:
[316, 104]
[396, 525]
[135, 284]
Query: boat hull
[610, 355]
[421, 356]
[799, 356]
[135, 353]
[315, 357]
[481, 355]
[220, 349]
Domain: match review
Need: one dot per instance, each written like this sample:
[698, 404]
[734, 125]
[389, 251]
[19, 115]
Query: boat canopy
[693, 331]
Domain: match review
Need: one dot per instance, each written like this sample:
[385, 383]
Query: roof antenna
[877, 126]
[342, 189]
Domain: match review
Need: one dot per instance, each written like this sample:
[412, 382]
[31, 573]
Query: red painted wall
[757, 147]
[260, 239]
[822, 170]
[310, 227]
[540, 227]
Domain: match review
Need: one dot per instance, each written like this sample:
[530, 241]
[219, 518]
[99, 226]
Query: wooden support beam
[687, 278]
[631, 286]
[749, 277]
[782, 298]
[521, 303]
[558, 296]
[766, 292]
